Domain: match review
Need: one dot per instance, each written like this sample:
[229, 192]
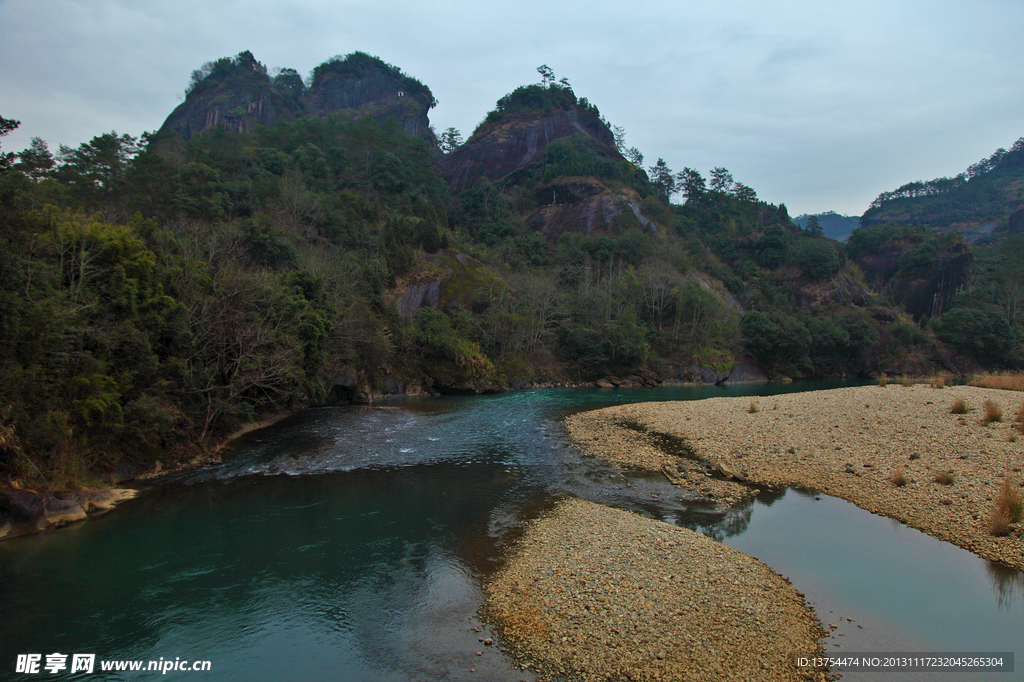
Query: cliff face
[602, 211]
[242, 102]
[922, 290]
[517, 142]
[510, 151]
[237, 104]
[376, 95]
[930, 291]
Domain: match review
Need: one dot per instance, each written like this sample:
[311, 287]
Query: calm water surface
[351, 544]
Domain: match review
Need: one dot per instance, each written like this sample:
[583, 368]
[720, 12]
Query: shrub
[993, 413]
[882, 381]
[753, 407]
[1019, 418]
[1010, 381]
[1007, 508]
[944, 478]
[816, 257]
[898, 478]
[959, 407]
[999, 522]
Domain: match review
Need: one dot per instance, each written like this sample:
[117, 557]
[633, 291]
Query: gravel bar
[595, 593]
[846, 442]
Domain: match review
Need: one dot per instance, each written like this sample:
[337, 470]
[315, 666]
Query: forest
[158, 294]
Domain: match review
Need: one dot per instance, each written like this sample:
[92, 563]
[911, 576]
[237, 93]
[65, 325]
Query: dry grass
[907, 381]
[1007, 508]
[882, 381]
[899, 478]
[1019, 418]
[753, 407]
[1010, 381]
[944, 478]
[938, 382]
[959, 407]
[993, 413]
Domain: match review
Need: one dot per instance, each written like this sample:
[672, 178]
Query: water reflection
[1007, 583]
[351, 542]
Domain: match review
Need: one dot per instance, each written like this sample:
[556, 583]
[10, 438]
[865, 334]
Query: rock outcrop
[513, 144]
[925, 290]
[24, 512]
[242, 96]
[237, 104]
[379, 96]
[513, 149]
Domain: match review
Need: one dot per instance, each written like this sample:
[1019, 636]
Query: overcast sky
[820, 105]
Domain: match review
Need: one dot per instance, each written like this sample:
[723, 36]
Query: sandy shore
[596, 593]
[845, 442]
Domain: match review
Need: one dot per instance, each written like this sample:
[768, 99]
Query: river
[351, 543]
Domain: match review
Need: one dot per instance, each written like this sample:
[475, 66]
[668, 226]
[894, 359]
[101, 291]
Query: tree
[619, 133]
[813, 227]
[6, 126]
[634, 156]
[772, 248]
[692, 184]
[451, 139]
[816, 257]
[663, 181]
[547, 75]
[100, 164]
[290, 80]
[36, 161]
[984, 333]
[743, 192]
[721, 180]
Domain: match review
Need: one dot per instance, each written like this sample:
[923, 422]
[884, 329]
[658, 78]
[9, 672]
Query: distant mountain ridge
[975, 202]
[834, 226]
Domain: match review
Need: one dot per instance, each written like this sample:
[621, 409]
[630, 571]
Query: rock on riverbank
[846, 442]
[597, 593]
[25, 512]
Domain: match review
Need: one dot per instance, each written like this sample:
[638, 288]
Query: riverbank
[894, 450]
[598, 593]
[31, 511]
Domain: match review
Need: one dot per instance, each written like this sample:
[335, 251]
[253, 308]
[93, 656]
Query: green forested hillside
[158, 293]
[987, 192]
[914, 248]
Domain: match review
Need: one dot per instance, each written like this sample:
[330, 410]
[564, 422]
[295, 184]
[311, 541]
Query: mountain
[559, 156]
[835, 226]
[975, 203]
[238, 93]
[283, 242]
[950, 251]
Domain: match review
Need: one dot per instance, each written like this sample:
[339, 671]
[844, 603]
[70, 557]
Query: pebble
[671, 603]
[845, 442]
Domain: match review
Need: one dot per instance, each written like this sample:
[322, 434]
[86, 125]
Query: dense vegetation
[156, 294]
[983, 320]
[978, 194]
[361, 65]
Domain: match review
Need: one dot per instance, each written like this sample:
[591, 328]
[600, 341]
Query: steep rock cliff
[377, 95]
[512, 151]
[924, 290]
[238, 104]
[518, 141]
[238, 94]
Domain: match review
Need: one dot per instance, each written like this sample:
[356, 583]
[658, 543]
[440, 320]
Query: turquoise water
[351, 544]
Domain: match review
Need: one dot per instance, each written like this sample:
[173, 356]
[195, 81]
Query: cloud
[816, 105]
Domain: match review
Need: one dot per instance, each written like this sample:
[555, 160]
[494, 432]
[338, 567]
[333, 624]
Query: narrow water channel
[351, 544]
